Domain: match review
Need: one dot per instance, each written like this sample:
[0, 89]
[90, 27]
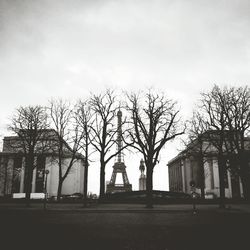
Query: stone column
[10, 166]
[229, 184]
[142, 182]
[183, 177]
[211, 167]
[33, 189]
[48, 166]
[241, 188]
[2, 169]
[22, 176]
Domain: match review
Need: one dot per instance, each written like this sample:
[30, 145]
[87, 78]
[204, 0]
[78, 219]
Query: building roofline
[78, 156]
[182, 154]
[16, 137]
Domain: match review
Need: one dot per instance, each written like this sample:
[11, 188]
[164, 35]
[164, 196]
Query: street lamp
[45, 189]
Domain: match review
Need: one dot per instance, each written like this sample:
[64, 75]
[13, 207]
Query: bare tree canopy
[196, 146]
[29, 124]
[213, 119]
[84, 116]
[236, 106]
[103, 130]
[223, 117]
[154, 122]
[69, 136]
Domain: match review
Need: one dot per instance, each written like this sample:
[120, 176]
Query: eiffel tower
[119, 166]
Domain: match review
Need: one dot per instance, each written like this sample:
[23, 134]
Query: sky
[71, 48]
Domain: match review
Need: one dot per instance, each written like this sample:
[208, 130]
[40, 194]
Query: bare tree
[236, 106]
[68, 138]
[197, 146]
[154, 121]
[29, 123]
[85, 120]
[215, 121]
[225, 116]
[103, 131]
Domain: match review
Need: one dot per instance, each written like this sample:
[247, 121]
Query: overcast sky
[69, 48]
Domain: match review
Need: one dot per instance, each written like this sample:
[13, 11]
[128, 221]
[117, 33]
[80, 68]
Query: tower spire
[119, 134]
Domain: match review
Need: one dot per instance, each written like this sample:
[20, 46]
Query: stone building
[201, 166]
[12, 169]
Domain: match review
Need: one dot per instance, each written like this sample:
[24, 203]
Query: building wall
[72, 184]
[194, 163]
[74, 181]
[6, 175]
[183, 170]
[175, 177]
[212, 185]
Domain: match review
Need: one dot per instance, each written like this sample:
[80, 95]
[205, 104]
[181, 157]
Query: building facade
[13, 178]
[201, 166]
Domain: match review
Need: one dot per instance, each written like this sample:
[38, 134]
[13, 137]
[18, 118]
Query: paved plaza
[124, 226]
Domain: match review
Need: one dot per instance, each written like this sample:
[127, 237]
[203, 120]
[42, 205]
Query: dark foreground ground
[124, 227]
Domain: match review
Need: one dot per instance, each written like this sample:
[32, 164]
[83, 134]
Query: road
[124, 228]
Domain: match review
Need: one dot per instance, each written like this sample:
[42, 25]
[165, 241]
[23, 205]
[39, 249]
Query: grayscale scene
[125, 124]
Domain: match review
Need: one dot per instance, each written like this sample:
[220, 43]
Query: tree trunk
[149, 187]
[246, 187]
[245, 176]
[85, 185]
[59, 189]
[203, 192]
[221, 168]
[102, 181]
[202, 177]
[5, 176]
[28, 186]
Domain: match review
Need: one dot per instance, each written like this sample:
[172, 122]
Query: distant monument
[119, 166]
[142, 179]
